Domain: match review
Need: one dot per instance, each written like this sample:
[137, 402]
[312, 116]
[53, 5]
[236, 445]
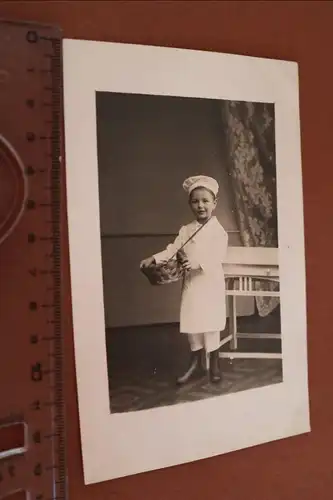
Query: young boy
[203, 303]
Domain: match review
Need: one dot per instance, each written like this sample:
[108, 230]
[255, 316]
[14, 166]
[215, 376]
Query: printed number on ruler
[37, 466]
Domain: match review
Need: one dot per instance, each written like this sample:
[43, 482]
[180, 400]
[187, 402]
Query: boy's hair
[206, 189]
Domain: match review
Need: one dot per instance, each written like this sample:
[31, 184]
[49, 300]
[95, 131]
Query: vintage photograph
[187, 263]
[189, 238]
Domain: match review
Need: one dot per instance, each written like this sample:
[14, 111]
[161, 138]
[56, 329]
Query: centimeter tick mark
[49, 436]
[51, 80]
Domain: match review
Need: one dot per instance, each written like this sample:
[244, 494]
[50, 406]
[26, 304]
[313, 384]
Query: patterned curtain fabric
[250, 146]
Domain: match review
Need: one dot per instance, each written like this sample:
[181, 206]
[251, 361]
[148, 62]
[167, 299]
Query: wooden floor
[144, 362]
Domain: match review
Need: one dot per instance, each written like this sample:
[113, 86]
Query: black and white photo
[185, 220]
[217, 233]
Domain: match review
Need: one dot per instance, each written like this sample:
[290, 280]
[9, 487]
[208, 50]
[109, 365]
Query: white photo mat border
[117, 445]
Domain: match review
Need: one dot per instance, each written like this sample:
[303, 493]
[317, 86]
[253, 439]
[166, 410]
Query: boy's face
[202, 203]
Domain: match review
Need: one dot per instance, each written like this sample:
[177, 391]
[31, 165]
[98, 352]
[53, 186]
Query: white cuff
[159, 257]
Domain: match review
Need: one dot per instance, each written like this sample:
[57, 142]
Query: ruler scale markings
[42, 473]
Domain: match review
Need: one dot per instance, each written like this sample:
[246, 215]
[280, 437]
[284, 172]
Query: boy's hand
[190, 266]
[186, 265]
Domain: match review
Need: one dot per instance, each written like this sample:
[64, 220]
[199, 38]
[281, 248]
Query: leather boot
[195, 369]
[214, 367]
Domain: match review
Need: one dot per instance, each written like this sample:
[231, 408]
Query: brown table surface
[302, 31]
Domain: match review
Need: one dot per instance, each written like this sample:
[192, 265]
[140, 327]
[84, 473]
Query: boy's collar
[197, 223]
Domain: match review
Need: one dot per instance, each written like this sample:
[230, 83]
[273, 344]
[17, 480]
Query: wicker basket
[166, 273]
[170, 271]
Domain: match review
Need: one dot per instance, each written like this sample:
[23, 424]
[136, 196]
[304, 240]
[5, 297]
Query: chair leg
[233, 321]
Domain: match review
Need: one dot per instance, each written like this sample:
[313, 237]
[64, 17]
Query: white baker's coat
[203, 302]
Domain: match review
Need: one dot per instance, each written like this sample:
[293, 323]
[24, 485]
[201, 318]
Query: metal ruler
[32, 416]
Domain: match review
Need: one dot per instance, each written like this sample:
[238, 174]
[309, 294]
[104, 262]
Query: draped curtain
[250, 143]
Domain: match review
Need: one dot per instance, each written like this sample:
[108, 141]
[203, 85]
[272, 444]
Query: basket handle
[189, 239]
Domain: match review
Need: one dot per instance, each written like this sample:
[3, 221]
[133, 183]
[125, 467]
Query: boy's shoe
[195, 369]
[214, 368]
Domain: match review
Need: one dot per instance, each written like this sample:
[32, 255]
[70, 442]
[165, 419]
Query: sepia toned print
[214, 328]
[188, 305]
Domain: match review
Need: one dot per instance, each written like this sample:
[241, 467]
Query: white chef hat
[203, 181]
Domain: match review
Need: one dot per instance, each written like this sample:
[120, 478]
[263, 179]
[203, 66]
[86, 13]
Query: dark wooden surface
[291, 469]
